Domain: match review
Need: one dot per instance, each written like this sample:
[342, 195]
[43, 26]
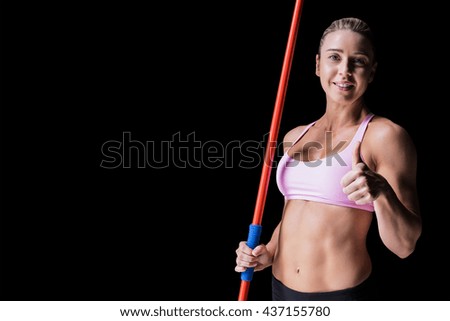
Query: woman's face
[345, 66]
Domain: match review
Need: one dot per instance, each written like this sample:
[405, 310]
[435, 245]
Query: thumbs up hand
[361, 184]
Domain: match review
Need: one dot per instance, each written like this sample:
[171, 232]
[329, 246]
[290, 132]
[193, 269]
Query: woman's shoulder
[384, 128]
[385, 136]
[294, 133]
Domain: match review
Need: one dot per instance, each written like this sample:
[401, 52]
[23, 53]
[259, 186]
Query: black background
[78, 76]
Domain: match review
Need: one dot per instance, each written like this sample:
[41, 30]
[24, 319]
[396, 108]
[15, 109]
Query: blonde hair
[352, 24]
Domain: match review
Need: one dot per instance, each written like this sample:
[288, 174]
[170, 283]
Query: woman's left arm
[388, 178]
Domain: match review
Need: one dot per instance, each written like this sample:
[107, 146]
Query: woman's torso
[322, 239]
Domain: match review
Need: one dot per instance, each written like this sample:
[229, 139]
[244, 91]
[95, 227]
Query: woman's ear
[372, 72]
[317, 65]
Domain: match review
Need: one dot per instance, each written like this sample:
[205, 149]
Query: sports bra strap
[301, 135]
[357, 137]
[362, 128]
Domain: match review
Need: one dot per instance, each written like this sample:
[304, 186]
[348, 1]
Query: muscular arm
[393, 159]
[397, 206]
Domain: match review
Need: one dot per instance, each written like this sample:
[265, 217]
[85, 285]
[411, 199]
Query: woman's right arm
[260, 257]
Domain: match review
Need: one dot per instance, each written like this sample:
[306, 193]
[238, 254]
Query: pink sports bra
[319, 180]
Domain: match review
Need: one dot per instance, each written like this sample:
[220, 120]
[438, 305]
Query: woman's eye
[334, 57]
[359, 62]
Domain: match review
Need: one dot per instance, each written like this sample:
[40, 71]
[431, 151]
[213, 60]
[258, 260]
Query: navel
[297, 270]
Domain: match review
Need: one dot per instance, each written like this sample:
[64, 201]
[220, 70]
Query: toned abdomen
[322, 247]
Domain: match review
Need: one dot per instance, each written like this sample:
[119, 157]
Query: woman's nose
[345, 69]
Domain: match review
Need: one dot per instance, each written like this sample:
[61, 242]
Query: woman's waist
[323, 223]
[311, 271]
[326, 252]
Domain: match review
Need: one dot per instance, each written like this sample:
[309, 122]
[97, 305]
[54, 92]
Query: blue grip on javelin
[254, 234]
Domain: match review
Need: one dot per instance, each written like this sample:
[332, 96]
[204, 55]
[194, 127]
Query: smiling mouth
[344, 85]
